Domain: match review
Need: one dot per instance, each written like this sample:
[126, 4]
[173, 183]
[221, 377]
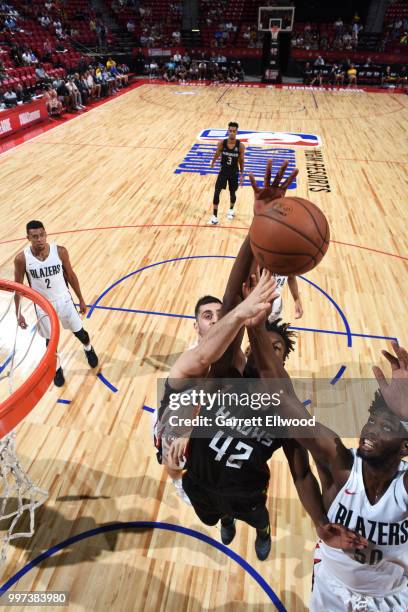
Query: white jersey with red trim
[47, 277]
[381, 568]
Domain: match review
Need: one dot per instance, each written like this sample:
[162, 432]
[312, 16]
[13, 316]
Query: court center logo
[252, 137]
[198, 160]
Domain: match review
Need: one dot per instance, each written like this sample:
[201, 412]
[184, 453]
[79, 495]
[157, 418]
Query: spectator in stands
[347, 41]
[44, 21]
[307, 73]
[402, 80]
[11, 25]
[338, 26]
[317, 77]
[338, 75]
[181, 73]
[130, 26]
[319, 61]
[76, 99]
[177, 58]
[176, 37]
[239, 71]
[202, 70]
[82, 88]
[47, 51]
[389, 77]
[110, 63]
[53, 104]
[42, 76]
[10, 98]
[123, 70]
[93, 85]
[352, 76]
[22, 93]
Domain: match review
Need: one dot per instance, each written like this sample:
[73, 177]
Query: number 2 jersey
[47, 277]
[382, 567]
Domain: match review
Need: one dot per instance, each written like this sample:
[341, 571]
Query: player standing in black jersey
[231, 151]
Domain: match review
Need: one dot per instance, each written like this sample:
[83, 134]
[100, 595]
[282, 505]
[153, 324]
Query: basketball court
[105, 186]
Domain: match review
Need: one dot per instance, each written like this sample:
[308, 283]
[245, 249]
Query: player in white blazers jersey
[49, 271]
[277, 305]
[364, 489]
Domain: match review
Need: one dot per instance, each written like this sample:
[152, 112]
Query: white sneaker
[231, 213]
[178, 484]
[213, 220]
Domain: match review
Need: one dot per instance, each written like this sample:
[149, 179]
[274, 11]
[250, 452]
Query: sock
[215, 211]
[227, 521]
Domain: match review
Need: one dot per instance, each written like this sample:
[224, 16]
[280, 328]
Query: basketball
[290, 236]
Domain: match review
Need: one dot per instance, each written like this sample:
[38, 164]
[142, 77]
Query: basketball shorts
[211, 507]
[67, 314]
[330, 594]
[223, 180]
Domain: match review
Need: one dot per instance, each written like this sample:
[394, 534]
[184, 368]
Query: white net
[19, 496]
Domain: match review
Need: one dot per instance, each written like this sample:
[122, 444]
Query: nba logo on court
[251, 137]
[198, 159]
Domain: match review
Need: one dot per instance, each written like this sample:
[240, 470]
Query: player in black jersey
[231, 151]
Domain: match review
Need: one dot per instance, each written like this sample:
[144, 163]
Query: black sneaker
[228, 532]
[92, 357]
[263, 546]
[59, 379]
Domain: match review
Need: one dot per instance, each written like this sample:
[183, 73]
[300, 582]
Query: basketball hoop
[274, 33]
[15, 483]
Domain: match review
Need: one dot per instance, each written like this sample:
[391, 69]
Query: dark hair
[34, 225]
[283, 330]
[378, 404]
[233, 124]
[206, 299]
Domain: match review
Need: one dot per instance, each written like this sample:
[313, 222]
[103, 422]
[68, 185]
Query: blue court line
[107, 383]
[338, 375]
[150, 525]
[5, 364]
[337, 307]
[294, 327]
[153, 265]
[62, 401]
[148, 409]
[307, 402]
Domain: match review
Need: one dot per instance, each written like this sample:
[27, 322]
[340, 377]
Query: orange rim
[22, 401]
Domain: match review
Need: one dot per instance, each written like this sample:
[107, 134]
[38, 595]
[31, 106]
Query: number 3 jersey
[382, 567]
[47, 277]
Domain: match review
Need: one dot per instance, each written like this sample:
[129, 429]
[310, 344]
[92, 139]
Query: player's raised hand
[259, 293]
[22, 322]
[177, 451]
[274, 190]
[338, 536]
[395, 392]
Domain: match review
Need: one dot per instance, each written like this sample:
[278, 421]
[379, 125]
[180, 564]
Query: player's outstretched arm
[324, 444]
[71, 277]
[19, 271]
[195, 363]
[242, 265]
[308, 490]
[271, 190]
[395, 392]
[294, 290]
